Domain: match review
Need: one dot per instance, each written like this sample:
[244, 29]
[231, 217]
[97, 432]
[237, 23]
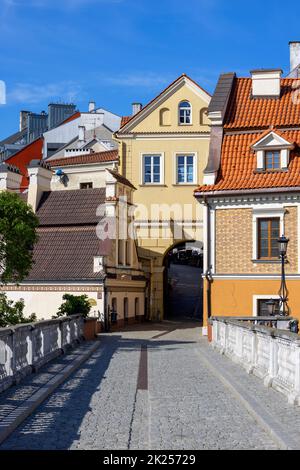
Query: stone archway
[183, 285]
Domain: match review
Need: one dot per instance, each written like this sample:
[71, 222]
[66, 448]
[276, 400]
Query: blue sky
[119, 51]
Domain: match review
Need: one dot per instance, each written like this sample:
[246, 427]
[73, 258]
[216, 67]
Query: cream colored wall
[79, 175]
[151, 123]
[154, 243]
[131, 302]
[46, 304]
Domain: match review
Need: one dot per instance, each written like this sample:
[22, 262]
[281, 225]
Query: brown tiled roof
[67, 255]
[70, 207]
[246, 112]
[121, 179]
[238, 165]
[99, 157]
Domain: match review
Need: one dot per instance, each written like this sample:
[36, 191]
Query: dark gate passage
[183, 285]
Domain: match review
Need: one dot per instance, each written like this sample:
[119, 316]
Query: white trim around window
[187, 113]
[161, 181]
[262, 297]
[185, 154]
[265, 214]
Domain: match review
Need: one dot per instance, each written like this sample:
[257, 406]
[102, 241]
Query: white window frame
[191, 115]
[195, 167]
[263, 297]
[161, 155]
[265, 214]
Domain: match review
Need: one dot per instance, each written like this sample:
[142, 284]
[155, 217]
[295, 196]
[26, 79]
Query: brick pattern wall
[234, 244]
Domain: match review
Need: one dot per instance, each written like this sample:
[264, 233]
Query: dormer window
[185, 112]
[272, 160]
[272, 152]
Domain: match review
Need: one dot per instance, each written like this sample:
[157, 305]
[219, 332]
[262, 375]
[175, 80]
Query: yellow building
[251, 195]
[163, 151]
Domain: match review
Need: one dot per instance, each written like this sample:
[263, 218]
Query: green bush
[74, 305]
[12, 313]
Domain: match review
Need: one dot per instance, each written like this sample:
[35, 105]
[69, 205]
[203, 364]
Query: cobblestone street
[148, 389]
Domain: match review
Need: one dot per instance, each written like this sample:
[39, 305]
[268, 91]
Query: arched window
[165, 117]
[185, 112]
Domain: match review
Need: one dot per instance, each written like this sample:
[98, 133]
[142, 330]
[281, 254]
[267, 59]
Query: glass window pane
[264, 225]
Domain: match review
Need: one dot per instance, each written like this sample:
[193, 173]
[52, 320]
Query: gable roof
[275, 134]
[128, 123]
[91, 158]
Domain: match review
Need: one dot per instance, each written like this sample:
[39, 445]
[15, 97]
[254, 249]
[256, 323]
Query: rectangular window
[272, 160]
[268, 234]
[185, 169]
[152, 169]
[86, 185]
[262, 308]
[120, 252]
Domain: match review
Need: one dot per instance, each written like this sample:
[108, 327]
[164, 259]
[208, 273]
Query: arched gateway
[183, 286]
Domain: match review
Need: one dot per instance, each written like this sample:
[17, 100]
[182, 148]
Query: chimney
[92, 106]
[10, 178]
[266, 83]
[294, 54]
[40, 175]
[23, 119]
[136, 108]
[81, 133]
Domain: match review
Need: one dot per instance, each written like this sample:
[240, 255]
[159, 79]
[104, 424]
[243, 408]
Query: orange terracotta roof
[238, 165]
[246, 112]
[99, 157]
[267, 132]
[125, 119]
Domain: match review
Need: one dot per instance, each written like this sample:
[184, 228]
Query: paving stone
[186, 406]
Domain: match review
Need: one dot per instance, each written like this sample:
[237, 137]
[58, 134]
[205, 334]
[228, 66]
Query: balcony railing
[25, 348]
[273, 354]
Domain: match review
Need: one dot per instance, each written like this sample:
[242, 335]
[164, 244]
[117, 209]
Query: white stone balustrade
[269, 353]
[25, 348]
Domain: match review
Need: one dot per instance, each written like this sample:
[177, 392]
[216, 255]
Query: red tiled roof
[238, 165]
[99, 157]
[125, 119]
[246, 112]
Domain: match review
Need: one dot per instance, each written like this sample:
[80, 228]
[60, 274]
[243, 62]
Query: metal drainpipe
[208, 275]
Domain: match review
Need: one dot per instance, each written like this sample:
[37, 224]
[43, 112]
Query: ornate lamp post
[283, 292]
[271, 307]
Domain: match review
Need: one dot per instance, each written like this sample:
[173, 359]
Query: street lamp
[283, 292]
[271, 307]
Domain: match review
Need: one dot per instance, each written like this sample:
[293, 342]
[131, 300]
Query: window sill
[151, 185]
[267, 261]
[182, 124]
[185, 184]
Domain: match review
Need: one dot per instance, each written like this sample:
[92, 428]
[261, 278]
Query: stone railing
[25, 348]
[269, 353]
